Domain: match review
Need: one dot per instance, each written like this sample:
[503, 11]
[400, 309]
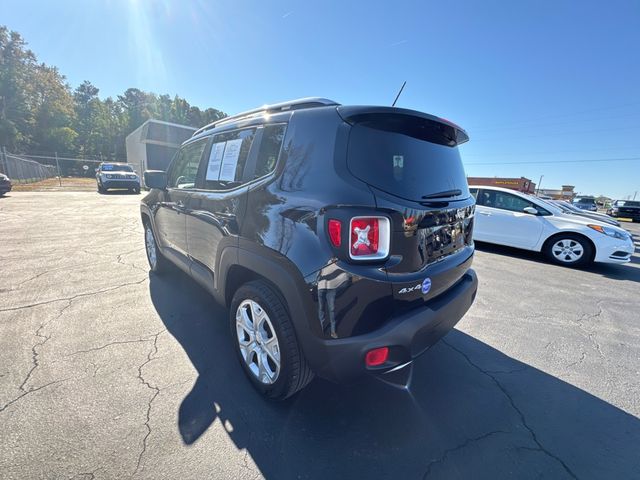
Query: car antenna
[398, 96]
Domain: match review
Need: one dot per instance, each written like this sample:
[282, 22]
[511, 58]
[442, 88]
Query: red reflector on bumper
[376, 357]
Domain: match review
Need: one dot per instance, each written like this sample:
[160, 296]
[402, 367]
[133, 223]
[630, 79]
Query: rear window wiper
[445, 194]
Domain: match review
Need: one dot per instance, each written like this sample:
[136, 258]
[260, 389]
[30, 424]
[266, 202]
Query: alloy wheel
[258, 342]
[151, 247]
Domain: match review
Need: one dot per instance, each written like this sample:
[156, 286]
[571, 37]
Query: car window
[224, 168]
[405, 156]
[272, 138]
[184, 167]
[504, 201]
[474, 193]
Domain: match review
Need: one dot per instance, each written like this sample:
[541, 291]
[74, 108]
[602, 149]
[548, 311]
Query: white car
[117, 175]
[514, 219]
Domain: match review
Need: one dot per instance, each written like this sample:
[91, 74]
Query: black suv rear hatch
[411, 162]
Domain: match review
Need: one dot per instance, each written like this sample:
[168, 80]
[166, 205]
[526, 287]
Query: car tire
[265, 341]
[158, 264]
[136, 190]
[100, 189]
[569, 250]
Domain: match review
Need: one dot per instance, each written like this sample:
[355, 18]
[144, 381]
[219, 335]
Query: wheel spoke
[257, 314]
[273, 350]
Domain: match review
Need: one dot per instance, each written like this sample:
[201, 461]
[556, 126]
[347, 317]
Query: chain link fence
[48, 171]
[22, 170]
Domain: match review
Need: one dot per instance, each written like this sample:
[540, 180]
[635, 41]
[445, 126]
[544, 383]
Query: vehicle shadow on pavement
[470, 412]
[612, 271]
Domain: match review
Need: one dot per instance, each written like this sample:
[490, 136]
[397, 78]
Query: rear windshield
[394, 156]
[629, 203]
[585, 200]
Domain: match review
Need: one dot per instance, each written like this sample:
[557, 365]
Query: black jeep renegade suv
[340, 237]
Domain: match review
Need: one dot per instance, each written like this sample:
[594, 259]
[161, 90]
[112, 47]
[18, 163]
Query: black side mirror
[155, 179]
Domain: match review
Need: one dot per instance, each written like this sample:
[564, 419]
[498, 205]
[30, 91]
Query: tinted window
[474, 192]
[504, 201]
[116, 168]
[227, 158]
[630, 203]
[272, 138]
[184, 168]
[397, 158]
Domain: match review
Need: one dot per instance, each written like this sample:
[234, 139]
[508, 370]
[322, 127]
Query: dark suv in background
[625, 209]
[340, 237]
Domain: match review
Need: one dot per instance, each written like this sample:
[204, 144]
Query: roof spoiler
[354, 114]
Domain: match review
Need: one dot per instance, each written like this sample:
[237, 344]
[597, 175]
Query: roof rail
[308, 102]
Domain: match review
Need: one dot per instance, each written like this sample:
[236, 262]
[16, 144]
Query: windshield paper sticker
[230, 160]
[215, 161]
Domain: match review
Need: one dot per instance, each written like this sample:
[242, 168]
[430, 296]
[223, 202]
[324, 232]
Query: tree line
[40, 113]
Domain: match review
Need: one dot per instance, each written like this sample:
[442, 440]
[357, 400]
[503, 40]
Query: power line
[555, 134]
[539, 162]
[567, 114]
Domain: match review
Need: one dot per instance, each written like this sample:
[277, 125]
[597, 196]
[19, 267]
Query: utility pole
[634, 195]
[3, 157]
[539, 183]
[58, 167]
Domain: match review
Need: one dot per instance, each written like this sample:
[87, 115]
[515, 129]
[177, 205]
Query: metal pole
[58, 167]
[634, 195]
[539, 183]
[3, 157]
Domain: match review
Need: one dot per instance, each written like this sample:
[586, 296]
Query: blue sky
[553, 84]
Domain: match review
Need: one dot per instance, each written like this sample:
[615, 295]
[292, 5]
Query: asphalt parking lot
[107, 372]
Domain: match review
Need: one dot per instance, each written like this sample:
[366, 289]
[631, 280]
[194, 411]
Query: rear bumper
[407, 336]
[5, 187]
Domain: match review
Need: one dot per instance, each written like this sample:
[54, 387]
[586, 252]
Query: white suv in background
[117, 175]
[507, 217]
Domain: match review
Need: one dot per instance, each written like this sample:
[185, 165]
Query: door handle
[486, 214]
[175, 205]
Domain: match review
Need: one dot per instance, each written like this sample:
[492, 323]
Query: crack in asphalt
[583, 355]
[34, 349]
[73, 297]
[591, 335]
[33, 390]
[117, 342]
[463, 445]
[156, 392]
[523, 420]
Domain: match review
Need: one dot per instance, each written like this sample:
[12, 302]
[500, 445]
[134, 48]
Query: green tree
[17, 64]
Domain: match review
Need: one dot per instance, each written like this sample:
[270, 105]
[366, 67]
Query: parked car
[117, 175]
[515, 219]
[570, 208]
[625, 209]
[340, 237]
[5, 184]
[586, 203]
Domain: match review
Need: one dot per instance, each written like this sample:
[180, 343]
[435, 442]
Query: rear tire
[569, 250]
[270, 354]
[158, 264]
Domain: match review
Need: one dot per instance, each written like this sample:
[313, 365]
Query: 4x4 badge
[425, 286]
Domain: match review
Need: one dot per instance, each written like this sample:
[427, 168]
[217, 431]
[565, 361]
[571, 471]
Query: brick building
[521, 184]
